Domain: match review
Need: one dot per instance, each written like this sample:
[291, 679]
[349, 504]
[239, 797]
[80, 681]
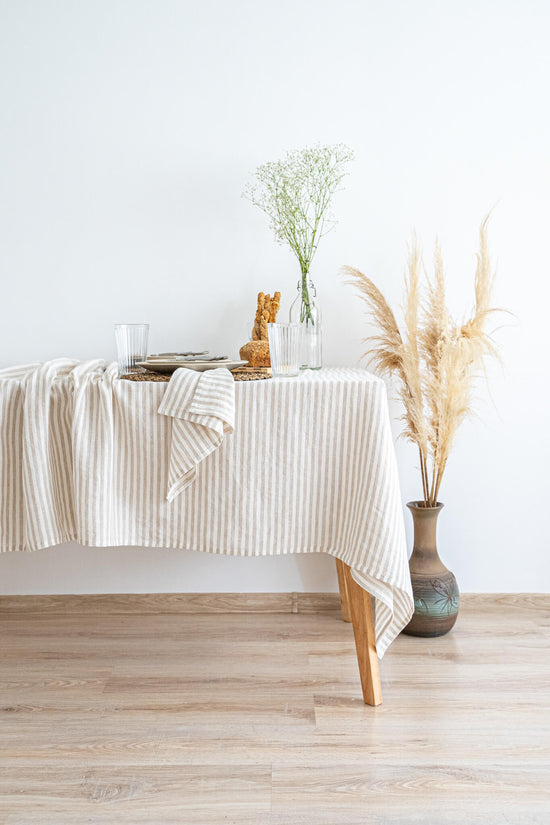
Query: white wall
[128, 130]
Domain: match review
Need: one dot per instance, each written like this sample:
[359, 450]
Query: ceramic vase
[435, 591]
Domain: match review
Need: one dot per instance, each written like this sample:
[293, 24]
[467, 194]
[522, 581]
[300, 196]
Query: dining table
[202, 462]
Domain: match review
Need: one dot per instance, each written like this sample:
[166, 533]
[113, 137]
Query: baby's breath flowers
[295, 193]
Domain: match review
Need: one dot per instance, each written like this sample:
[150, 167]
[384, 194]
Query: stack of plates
[200, 361]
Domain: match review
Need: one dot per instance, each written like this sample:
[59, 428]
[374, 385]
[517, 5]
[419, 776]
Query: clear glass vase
[305, 310]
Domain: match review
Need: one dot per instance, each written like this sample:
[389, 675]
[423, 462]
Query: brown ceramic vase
[435, 590]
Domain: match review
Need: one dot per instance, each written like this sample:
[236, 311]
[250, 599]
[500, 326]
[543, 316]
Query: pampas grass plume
[435, 359]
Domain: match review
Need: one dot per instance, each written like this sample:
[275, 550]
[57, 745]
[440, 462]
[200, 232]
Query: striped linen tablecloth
[257, 468]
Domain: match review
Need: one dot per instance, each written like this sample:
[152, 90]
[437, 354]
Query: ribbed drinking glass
[131, 346]
[285, 349]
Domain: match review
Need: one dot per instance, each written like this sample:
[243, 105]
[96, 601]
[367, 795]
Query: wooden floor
[238, 719]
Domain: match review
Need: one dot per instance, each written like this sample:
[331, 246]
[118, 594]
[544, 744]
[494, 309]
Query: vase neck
[305, 281]
[425, 530]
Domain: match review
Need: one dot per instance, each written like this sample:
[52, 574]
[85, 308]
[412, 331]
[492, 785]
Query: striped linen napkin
[202, 408]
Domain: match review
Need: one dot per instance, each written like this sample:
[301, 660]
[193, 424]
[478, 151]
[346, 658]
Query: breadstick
[275, 306]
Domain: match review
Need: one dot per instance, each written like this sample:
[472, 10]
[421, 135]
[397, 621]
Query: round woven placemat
[250, 374]
[238, 375]
[146, 376]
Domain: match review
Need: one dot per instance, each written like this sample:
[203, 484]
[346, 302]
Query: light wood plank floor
[236, 719]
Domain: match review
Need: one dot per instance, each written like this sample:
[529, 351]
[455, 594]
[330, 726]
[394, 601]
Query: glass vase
[305, 311]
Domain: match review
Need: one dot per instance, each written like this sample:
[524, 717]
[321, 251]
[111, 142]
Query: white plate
[169, 365]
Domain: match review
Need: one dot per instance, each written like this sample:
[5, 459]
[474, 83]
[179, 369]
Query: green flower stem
[305, 311]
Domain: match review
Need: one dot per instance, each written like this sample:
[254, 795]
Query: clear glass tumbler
[285, 349]
[131, 346]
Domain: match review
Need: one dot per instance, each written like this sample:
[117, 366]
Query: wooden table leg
[343, 587]
[365, 641]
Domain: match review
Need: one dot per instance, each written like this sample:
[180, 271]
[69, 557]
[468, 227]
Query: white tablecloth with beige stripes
[309, 468]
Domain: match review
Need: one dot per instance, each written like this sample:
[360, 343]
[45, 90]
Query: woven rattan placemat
[246, 374]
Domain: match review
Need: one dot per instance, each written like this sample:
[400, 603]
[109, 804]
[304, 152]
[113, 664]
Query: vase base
[430, 626]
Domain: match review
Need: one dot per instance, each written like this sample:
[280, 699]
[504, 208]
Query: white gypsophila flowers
[296, 192]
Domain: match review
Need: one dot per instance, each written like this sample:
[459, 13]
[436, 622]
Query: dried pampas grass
[435, 358]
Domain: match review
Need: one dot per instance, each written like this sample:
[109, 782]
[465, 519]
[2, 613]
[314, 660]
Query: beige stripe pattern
[309, 468]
